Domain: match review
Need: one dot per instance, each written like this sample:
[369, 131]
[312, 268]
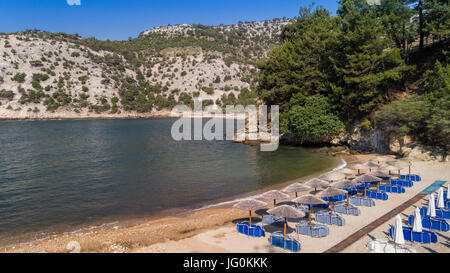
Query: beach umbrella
[371, 165]
[250, 205]
[404, 163]
[431, 207]
[345, 184]
[366, 179]
[358, 167]
[309, 200]
[331, 177]
[286, 212]
[274, 195]
[380, 174]
[347, 172]
[392, 168]
[317, 183]
[398, 234]
[417, 221]
[296, 187]
[440, 200]
[331, 192]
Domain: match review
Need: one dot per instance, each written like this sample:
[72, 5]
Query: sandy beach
[213, 229]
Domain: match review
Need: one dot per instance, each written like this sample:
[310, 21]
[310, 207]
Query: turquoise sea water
[64, 175]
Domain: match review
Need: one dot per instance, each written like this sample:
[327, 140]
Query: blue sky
[120, 19]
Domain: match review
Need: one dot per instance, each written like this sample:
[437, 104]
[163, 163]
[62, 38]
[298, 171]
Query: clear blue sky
[120, 19]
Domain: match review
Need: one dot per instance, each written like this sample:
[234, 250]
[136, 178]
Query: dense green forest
[380, 65]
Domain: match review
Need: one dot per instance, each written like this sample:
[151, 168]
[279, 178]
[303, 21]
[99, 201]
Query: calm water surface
[63, 175]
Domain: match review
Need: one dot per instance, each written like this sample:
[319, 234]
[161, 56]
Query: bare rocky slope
[56, 75]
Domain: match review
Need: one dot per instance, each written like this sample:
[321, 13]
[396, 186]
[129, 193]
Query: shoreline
[130, 222]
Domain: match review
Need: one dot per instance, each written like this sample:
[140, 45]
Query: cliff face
[382, 141]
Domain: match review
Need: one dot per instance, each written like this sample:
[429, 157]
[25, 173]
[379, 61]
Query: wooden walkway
[370, 227]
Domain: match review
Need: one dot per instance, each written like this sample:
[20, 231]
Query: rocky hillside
[56, 75]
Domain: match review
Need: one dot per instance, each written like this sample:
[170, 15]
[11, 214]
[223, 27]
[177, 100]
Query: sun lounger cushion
[403, 183]
[411, 177]
[253, 231]
[324, 217]
[431, 223]
[424, 237]
[347, 210]
[317, 230]
[440, 213]
[270, 219]
[361, 201]
[277, 239]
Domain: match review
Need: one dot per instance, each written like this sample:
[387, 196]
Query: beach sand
[213, 229]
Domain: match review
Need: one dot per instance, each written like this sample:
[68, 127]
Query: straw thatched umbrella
[380, 174]
[366, 178]
[274, 195]
[347, 172]
[250, 205]
[331, 177]
[286, 212]
[371, 165]
[358, 167]
[296, 187]
[317, 183]
[345, 184]
[392, 168]
[403, 163]
[309, 200]
[331, 192]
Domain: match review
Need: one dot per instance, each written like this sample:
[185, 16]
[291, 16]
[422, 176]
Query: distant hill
[58, 75]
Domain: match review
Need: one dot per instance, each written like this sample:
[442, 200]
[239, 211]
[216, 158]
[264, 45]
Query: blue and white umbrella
[440, 200]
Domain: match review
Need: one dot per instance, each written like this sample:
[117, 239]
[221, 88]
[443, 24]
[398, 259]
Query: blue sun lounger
[440, 213]
[377, 195]
[269, 219]
[324, 217]
[431, 223]
[361, 201]
[277, 239]
[253, 231]
[402, 183]
[424, 237]
[392, 189]
[317, 231]
[411, 177]
[343, 209]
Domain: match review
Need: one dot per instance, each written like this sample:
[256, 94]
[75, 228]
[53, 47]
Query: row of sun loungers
[317, 230]
[325, 217]
[342, 208]
[402, 183]
[431, 223]
[392, 189]
[253, 231]
[277, 239]
[440, 213]
[361, 201]
[424, 237]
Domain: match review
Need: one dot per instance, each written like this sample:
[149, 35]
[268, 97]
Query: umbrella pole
[331, 206]
[274, 203]
[250, 218]
[348, 200]
[309, 214]
[409, 169]
[365, 190]
[399, 176]
[285, 224]
[378, 187]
